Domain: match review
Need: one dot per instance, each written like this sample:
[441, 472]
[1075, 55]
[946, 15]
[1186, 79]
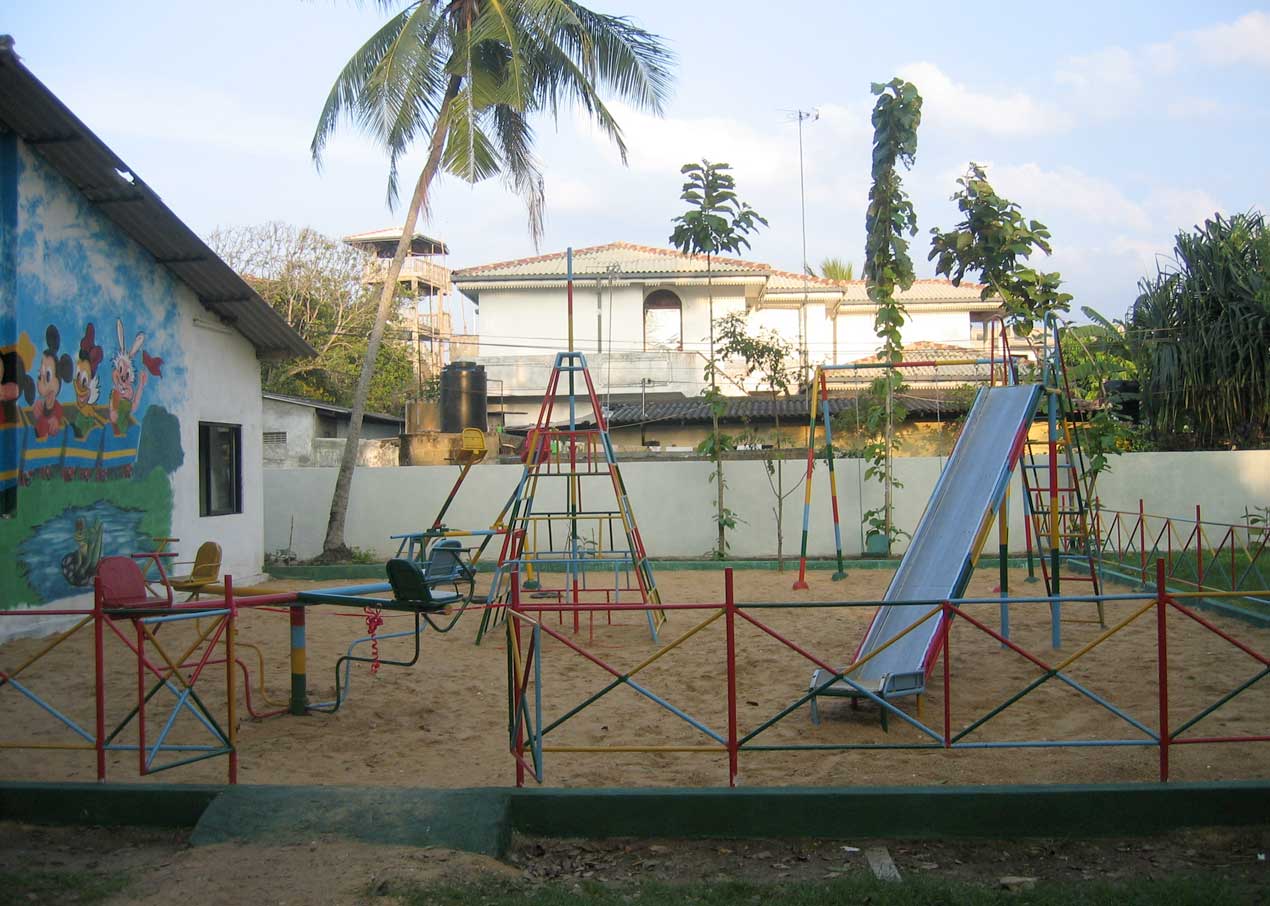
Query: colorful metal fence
[529, 726]
[1199, 555]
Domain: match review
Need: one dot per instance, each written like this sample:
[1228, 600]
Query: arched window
[663, 321]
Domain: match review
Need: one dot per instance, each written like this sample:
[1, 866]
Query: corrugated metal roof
[927, 404]
[420, 244]
[36, 115]
[322, 406]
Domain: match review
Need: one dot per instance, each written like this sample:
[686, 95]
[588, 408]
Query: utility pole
[804, 358]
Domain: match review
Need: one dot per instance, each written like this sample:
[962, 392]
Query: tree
[1199, 332]
[315, 283]
[766, 354]
[836, 269]
[466, 77]
[887, 266]
[716, 221]
[994, 239]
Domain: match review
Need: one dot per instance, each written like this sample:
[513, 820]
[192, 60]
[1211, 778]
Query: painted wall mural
[92, 383]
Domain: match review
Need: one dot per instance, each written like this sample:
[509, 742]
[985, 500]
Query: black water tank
[463, 399]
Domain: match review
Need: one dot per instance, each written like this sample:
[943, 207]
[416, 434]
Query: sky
[1115, 124]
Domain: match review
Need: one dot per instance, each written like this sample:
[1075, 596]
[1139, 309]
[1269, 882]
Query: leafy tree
[315, 283]
[716, 221]
[993, 240]
[465, 77]
[1199, 332]
[887, 267]
[766, 354]
[835, 268]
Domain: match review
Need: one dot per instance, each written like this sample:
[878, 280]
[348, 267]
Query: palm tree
[835, 269]
[466, 76]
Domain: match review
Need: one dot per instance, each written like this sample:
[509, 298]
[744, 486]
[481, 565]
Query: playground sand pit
[443, 722]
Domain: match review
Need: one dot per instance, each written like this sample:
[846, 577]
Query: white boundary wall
[673, 501]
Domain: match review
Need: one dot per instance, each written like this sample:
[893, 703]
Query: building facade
[130, 397]
[642, 316]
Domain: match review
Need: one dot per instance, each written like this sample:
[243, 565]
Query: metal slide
[946, 544]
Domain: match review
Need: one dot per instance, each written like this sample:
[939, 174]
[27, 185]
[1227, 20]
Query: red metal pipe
[141, 699]
[947, 617]
[784, 641]
[730, 624]
[1162, 646]
[514, 602]
[1265, 662]
[99, 679]
[1192, 740]
[1002, 639]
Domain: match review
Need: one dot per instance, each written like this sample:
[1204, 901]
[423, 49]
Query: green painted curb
[990, 811]
[482, 820]
[474, 820]
[109, 804]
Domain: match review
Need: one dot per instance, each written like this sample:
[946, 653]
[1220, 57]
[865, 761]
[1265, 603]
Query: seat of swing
[420, 587]
[122, 584]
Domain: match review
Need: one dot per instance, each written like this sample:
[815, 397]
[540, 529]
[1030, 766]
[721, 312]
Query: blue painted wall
[94, 379]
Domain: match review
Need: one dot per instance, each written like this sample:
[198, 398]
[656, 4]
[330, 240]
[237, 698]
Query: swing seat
[421, 589]
[121, 584]
[205, 569]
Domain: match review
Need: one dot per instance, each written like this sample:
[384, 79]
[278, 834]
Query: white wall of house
[75, 268]
[299, 424]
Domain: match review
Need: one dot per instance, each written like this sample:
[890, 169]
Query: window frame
[205, 509]
[653, 304]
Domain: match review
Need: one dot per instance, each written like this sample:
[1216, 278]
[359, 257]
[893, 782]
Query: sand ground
[443, 722]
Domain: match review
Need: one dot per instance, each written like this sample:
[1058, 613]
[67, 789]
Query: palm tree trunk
[334, 545]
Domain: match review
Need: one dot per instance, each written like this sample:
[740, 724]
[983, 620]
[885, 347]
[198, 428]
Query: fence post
[729, 600]
[99, 671]
[231, 697]
[517, 717]
[1199, 550]
[1162, 647]
[947, 618]
[1142, 537]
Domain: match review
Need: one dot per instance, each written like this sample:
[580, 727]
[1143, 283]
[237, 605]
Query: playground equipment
[204, 570]
[902, 642]
[597, 552]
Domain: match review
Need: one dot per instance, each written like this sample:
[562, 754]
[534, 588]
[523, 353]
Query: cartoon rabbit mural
[127, 387]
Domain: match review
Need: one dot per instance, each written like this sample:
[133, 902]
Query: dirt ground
[443, 722]
[162, 868]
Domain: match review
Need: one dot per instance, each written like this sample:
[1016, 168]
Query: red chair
[123, 585]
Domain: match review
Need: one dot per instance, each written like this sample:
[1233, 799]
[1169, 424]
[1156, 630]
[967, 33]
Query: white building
[130, 397]
[642, 316]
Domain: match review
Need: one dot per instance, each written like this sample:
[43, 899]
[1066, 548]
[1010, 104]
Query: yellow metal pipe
[13, 674]
[580, 749]
[1106, 635]
[679, 641]
[851, 668]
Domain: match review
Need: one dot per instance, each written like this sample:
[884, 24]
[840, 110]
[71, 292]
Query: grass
[852, 889]
[28, 887]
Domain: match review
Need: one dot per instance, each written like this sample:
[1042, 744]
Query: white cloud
[1246, 40]
[1191, 108]
[1178, 209]
[1039, 190]
[951, 103]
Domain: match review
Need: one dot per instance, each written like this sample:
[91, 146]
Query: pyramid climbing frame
[560, 547]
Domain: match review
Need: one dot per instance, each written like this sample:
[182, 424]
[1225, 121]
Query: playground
[443, 721]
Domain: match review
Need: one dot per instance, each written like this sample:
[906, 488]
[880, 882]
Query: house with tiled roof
[642, 316]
